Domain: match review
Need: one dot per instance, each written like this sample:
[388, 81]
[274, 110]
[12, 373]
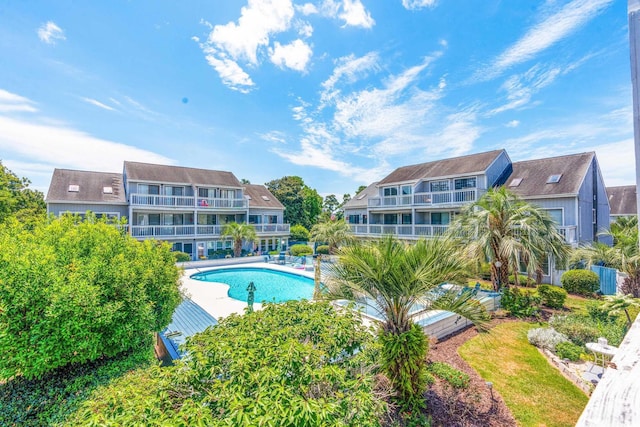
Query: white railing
[570, 233]
[428, 199]
[162, 230]
[271, 228]
[213, 203]
[404, 230]
[159, 200]
[209, 230]
[431, 230]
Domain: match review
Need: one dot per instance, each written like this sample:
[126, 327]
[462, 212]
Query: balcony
[198, 231]
[570, 233]
[406, 230]
[441, 198]
[271, 228]
[155, 200]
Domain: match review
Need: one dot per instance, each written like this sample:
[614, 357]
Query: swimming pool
[271, 285]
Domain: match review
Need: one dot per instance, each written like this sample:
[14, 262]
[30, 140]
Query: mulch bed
[476, 406]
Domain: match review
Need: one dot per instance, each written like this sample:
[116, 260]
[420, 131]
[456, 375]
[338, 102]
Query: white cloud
[10, 102]
[546, 33]
[231, 73]
[513, 124]
[350, 68]
[50, 32]
[304, 29]
[295, 55]
[354, 14]
[98, 104]
[274, 136]
[307, 9]
[418, 4]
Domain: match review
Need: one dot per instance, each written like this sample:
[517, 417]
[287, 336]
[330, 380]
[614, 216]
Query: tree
[502, 227]
[330, 205]
[290, 364]
[299, 233]
[333, 233]
[77, 291]
[302, 204]
[616, 304]
[17, 199]
[239, 233]
[393, 278]
[361, 189]
[244, 181]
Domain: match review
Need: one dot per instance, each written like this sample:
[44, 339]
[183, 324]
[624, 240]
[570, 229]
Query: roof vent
[265, 198]
[362, 196]
[107, 190]
[515, 182]
[553, 179]
[74, 188]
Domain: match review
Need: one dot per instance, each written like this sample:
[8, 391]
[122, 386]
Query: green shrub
[77, 291]
[582, 329]
[298, 233]
[446, 372]
[299, 250]
[580, 282]
[523, 279]
[552, 296]
[296, 363]
[520, 303]
[485, 271]
[322, 250]
[181, 256]
[547, 338]
[568, 350]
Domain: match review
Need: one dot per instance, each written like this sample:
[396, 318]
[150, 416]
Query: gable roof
[257, 194]
[136, 171]
[473, 163]
[622, 200]
[90, 187]
[534, 175]
[360, 200]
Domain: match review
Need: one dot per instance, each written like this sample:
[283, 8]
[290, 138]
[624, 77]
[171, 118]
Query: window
[74, 188]
[556, 215]
[364, 219]
[515, 182]
[440, 218]
[554, 179]
[177, 247]
[406, 218]
[406, 190]
[390, 219]
[436, 186]
[461, 183]
[255, 219]
[206, 219]
[203, 192]
[148, 189]
[272, 219]
[107, 190]
[173, 191]
[390, 191]
[354, 219]
[154, 219]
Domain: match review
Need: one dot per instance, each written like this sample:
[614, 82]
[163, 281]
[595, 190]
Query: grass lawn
[536, 393]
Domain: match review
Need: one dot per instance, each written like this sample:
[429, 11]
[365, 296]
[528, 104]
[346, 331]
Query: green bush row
[322, 250]
[552, 296]
[300, 250]
[520, 303]
[568, 350]
[446, 372]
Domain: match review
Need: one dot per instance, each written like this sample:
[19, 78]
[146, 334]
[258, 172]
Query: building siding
[59, 208]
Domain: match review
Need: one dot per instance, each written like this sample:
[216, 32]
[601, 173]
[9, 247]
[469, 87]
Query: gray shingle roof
[473, 163]
[258, 194]
[90, 187]
[536, 173]
[178, 174]
[360, 199]
[622, 200]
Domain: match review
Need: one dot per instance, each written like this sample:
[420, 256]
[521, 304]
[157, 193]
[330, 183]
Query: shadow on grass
[51, 399]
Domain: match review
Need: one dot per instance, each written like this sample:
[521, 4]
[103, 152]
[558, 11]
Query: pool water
[271, 285]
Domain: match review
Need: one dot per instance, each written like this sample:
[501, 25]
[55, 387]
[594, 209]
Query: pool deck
[213, 296]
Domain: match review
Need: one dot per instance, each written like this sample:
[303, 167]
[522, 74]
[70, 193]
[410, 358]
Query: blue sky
[339, 92]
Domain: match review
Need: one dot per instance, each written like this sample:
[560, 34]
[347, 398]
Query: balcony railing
[404, 230]
[570, 233]
[456, 197]
[163, 231]
[271, 228]
[187, 201]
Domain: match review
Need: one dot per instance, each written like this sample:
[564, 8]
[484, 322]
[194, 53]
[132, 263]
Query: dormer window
[107, 190]
[553, 179]
[515, 182]
[74, 188]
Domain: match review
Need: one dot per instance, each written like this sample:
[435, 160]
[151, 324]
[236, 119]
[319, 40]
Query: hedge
[300, 249]
[580, 282]
[552, 296]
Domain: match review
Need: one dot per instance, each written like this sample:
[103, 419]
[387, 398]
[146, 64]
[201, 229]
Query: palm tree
[333, 233]
[393, 278]
[615, 304]
[502, 227]
[239, 233]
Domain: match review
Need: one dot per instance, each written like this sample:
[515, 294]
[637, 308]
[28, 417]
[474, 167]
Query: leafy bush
[580, 282]
[523, 279]
[446, 372]
[552, 296]
[547, 338]
[582, 329]
[520, 303]
[568, 350]
[181, 256]
[299, 233]
[485, 271]
[296, 363]
[299, 250]
[77, 291]
[323, 250]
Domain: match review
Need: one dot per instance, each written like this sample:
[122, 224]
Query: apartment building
[186, 207]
